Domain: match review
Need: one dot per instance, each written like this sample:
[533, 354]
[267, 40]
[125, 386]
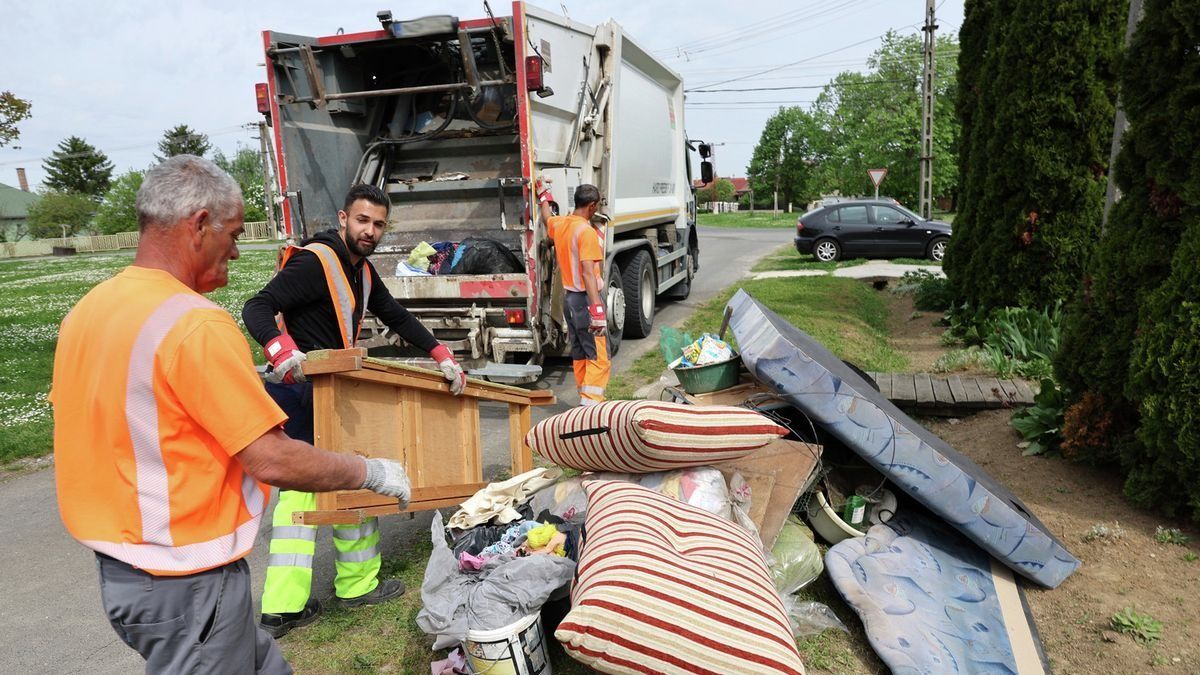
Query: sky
[120, 73]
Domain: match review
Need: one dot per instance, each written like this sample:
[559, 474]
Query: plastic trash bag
[702, 486]
[810, 618]
[504, 590]
[797, 560]
[418, 259]
[476, 255]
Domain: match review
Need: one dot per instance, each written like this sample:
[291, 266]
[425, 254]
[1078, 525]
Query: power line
[869, 83]
[786, 65]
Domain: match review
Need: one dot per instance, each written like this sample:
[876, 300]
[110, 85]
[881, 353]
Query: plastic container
[712, 377]
[827, 523]
[516, 649]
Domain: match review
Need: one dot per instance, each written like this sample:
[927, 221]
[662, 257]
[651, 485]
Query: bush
[1041, 423]
[931, 292]
[1133, 338]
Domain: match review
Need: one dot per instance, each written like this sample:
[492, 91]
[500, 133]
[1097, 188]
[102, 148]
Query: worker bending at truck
[579, 249]
[321, 291]
[163, 436]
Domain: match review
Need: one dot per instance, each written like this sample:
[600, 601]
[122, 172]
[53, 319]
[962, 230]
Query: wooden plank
[323, 428]
[1025, 394]
[884, 380]
[440, 385]
[735, 395]
[957, 390]
[941, 391]
[903, 388]
[359, 499]
[924, 389]
[333, 364]
[521, 454]
[992, 393]
[1010, 390]
[354, 516]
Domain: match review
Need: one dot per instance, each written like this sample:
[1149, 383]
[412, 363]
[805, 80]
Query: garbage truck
[456, 119]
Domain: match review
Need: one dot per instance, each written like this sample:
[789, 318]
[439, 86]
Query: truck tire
[637, 278]
[615, 308]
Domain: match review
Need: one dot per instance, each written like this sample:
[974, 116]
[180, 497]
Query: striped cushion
[646, 436]
[663, 587]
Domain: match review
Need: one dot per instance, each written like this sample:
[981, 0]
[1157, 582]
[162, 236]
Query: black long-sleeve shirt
[300, 292]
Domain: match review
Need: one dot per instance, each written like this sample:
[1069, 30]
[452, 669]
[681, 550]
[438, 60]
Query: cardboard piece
[782, 470]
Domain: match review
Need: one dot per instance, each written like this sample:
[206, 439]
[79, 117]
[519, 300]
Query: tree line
[81, 193]
[860, 121]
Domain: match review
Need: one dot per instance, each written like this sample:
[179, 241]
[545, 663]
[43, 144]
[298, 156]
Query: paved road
[50, 615]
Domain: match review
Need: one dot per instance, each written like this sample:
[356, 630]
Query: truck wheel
[615, 308]
[640, 287]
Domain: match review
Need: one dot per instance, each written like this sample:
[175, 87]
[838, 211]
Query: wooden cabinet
[374, 408]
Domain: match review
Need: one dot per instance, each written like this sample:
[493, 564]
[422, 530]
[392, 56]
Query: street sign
[877, 176]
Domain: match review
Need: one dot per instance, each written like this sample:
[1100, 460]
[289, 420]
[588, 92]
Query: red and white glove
[286, 360]
[450, 369]
[599, 323]
[543, 191]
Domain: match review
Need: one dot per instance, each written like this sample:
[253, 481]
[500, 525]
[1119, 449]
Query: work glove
[450, 369]
[388, 478]
[542, 188]
[286, 360]
[599, 322]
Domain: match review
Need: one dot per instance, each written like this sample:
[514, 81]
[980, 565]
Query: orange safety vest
[344, 302]
[154, 394]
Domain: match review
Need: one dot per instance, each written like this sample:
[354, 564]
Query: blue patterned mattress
[815, 381]
[930, 603]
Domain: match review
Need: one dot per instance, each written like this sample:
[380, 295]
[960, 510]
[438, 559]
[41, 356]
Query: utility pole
[268, 193]
[927, 74]
[1111, 192]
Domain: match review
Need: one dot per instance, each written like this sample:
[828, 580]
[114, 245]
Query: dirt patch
[915, 333]
[1133, 570]
[1129, 570]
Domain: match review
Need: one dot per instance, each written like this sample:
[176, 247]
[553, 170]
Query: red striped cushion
[664, 587]
[646, 436]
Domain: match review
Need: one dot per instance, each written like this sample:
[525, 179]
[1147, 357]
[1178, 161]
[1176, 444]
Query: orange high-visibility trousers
[589, 352]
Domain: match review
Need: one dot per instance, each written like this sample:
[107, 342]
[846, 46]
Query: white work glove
[286, 360]
[450, 369]
[388, 478]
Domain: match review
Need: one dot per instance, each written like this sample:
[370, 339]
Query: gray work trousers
[200, 623]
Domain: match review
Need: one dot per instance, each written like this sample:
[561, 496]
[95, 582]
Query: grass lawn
[847, 316]
[747, 219]
[37, 294]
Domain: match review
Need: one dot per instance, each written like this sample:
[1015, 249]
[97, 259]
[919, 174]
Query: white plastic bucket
[516, 649]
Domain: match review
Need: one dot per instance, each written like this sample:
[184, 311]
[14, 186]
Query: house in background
[14, 208]
[741, 186]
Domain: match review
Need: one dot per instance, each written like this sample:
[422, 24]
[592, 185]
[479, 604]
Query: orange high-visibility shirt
[154, 394]
[575, 241]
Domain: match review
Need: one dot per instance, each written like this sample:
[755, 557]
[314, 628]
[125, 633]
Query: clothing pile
[473, 255]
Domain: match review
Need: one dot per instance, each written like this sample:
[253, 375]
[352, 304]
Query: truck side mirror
[706, 171]
[705, 150]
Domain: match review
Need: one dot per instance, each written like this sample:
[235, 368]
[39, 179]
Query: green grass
[37, 294]
[746, 219]
[786, 258]
[847, 316]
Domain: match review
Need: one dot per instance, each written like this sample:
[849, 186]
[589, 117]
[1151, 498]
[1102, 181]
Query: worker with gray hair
[165, 441]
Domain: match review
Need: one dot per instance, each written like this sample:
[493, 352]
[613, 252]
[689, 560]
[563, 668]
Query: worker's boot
[278, 625]
[386, 590]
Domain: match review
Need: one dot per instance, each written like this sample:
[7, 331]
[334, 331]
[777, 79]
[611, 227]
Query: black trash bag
[476, 255]
[477, 538]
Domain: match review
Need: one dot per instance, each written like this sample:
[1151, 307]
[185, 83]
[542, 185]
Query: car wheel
[827, 250]
[638, 280]
[615, 309]
[937, 248]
